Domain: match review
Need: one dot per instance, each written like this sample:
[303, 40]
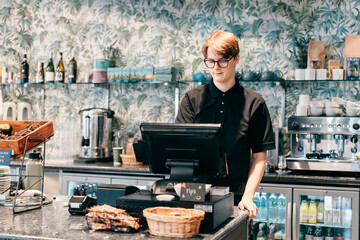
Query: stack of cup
[302, 107]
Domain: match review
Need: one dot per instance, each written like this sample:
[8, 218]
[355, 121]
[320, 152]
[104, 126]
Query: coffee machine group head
[96, 135]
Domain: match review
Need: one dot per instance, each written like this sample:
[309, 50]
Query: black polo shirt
[245, 122]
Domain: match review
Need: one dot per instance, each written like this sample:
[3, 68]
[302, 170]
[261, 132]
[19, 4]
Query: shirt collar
[233, 92]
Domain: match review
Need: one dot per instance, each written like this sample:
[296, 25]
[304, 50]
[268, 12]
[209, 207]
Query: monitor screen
[172, 142]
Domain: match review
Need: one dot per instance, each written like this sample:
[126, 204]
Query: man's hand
[248, 203]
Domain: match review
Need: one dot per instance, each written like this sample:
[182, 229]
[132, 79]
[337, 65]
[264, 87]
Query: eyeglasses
[221, 63]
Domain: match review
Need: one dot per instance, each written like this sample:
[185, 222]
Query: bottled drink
[60, 71]
[72, 70]
[328, 210]
[34, 171]
[318, 234]
[257, 203]
[329, 235]
[273, 207]
[346, 212]
[320, 212]
[302, 232]
[24, 71]
[40, 76]
[262, 232]
[272, 230]
[50, 71]
[309, 233]
[312, 212]
[281, 215]
[338, 234]
[304, 211]
[347, 234]
[336, 210]
[264, 208]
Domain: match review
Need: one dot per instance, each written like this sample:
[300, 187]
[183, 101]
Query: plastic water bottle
[273, 207]
[264, 207]
[281, 215]
[257, 203]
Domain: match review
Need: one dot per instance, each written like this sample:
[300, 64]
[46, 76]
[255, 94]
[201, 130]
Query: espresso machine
[324, 143]
[96, 135]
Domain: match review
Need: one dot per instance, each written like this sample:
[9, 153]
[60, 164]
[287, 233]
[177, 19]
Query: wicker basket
[129, 159]
[173, 222]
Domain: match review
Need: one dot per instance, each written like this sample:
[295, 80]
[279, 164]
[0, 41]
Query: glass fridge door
[273, 220]
[325, 213]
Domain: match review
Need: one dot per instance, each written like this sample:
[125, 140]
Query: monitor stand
[181, 170]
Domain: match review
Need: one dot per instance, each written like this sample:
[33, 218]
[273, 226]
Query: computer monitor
[185, 151]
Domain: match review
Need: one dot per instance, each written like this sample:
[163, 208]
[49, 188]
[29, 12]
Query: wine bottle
[40, 78]
[24, 72]
[72, 70]
[60, 71]
[50, 71]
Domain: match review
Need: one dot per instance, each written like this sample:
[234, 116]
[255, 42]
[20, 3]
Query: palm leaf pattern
[273, 35]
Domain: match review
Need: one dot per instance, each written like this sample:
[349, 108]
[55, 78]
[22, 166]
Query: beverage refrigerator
[300, 212]
[273, 215]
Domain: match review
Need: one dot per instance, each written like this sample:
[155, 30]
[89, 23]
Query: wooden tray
[46, 130]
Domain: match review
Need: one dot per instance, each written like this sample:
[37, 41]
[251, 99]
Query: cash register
[192, 155]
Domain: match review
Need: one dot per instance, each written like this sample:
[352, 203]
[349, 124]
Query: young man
[243, 114]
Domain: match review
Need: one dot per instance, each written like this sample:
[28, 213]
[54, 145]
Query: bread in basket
[173, 222]
[129, 159]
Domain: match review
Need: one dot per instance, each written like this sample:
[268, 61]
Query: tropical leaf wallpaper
[273, 34]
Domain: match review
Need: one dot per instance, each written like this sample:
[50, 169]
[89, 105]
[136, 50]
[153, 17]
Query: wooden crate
[46, 130]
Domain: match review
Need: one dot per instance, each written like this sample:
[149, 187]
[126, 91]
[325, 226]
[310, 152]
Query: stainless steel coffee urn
[96, 135]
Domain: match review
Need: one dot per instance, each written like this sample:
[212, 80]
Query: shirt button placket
[222, 104]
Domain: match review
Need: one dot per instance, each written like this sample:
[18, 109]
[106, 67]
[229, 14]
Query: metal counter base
[323, 164]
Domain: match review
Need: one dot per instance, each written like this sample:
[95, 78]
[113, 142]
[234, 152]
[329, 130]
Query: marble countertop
[53, 221]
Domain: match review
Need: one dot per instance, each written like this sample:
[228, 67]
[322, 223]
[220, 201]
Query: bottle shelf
[322, 225]
[270, 221]
[182, 81]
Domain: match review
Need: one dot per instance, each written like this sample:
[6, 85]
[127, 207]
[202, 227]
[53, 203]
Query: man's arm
[255, 175]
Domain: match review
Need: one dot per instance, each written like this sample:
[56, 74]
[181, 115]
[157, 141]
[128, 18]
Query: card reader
[79, 204]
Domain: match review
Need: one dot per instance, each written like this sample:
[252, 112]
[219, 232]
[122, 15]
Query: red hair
[224, 43]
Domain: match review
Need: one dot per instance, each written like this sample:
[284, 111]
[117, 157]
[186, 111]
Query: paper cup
[116, 154]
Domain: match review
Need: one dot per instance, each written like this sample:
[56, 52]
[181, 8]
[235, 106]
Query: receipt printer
[108, 193]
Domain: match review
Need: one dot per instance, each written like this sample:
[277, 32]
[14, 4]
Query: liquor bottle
[60, 71]
[40, 76]
[24, 71]
[50, 71]
[72, 70]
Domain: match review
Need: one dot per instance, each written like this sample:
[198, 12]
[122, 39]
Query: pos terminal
[193, 155]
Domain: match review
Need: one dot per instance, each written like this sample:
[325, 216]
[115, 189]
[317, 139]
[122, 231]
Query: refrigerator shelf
[323, 225]
[268, 221]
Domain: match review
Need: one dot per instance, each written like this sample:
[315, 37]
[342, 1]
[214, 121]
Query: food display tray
[46, 130]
